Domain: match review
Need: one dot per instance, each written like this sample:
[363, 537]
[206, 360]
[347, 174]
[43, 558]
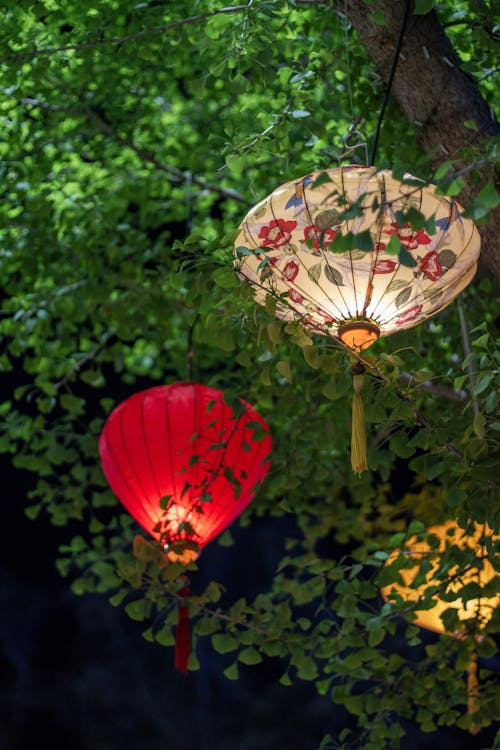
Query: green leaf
[250, 656]
[482, 341]
[406, 258]
[284, 369]
[479, 424]
[378, 17]
[393, 247]
[422, 7]
[415, 218]
[224, 643]
[225, 278]
[482, 384]
[138, 609]
[488, 198]
[321, 179]
[311, 356]
[232, 672]
[73, 404]
[307, 668]
[443, 169]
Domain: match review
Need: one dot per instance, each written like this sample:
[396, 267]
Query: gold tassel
[358, 436]
[472, 691]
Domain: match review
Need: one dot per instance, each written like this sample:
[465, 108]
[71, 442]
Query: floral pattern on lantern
[286, 248]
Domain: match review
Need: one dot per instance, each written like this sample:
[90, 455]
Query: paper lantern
[336, 250]
[476, 612]
[184, 464]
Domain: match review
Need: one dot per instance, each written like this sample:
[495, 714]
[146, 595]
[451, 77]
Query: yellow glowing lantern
[473, 613]
[339, 251]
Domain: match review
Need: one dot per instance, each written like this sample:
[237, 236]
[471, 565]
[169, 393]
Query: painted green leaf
[431, 294]
[314, 272]
[447, 258]
[402, 297]
[397, 284]
[333, 275]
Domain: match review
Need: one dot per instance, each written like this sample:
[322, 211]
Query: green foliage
[127, 167]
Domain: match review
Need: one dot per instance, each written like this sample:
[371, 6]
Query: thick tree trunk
[433, 92]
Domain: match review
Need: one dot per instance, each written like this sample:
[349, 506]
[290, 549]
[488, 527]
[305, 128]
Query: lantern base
[358, 334]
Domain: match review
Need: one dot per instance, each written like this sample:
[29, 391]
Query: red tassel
[182, 637]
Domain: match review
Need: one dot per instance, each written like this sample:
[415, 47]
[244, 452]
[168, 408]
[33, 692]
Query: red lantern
[184, 465]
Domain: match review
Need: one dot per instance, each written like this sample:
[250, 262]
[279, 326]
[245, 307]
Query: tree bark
[433, 92]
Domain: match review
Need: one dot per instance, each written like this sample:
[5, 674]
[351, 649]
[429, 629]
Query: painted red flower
[430, 266]
[291, 270]
[409, 315]
[315, 233]
[384, 266]
[277, 233]
[410, 238]
[296, 297]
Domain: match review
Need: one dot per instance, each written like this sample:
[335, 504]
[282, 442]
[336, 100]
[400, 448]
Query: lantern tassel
[472, 692]
[182, 636]
[358, 436]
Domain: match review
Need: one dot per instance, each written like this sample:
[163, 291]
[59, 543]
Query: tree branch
[435, 388]
[176, 175]
[128, 37]
[467, 351]
[107, 339]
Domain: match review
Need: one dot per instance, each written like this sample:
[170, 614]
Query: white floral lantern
[337, 251]
[286, 247]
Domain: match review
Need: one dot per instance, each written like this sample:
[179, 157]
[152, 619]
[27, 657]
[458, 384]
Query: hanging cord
[182, 636]
[389, 82]
[472, 691]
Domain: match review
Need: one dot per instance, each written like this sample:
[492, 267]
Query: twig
[474, 165]
[78, 366]
[434, 388]
[466, 347]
